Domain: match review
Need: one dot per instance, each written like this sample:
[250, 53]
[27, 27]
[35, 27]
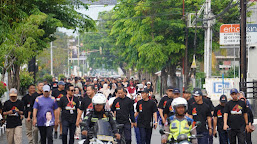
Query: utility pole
[185, 60]
[208, 40]
[68, 57]
[52, 59]
[243, 66]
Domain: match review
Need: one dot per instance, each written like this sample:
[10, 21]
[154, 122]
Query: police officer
[179, 123]
[97, 113]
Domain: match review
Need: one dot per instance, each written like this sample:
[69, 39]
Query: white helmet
[99, 99]
[179, 101]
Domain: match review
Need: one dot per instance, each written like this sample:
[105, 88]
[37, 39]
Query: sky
[91, 12]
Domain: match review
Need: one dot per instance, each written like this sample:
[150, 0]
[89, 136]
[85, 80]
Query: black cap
[176, 91]
[223, 99]
[145, 91]
[197, 92]
[170, 87]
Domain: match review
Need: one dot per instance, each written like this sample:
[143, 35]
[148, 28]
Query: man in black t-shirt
[13, 109]
[39, 92]
[235, 118]
[146, 110]
[168, 111]
[28, 120]
[54, 84]
[58, 94]
[200, 111]
[86, 104]
[124, 112]
[218, 121]
[163, 103]
[68, 105]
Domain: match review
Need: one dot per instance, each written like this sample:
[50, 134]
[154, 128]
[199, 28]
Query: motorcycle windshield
[104, 128]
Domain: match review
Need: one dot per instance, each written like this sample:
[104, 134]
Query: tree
[27, 27]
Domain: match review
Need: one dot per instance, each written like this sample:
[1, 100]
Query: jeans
[204, 139]
[68, 126]
[137, 132]
[239, 133]
[127, 133]
[145, 135]
[46, 133]
[223, 137]
[248, 138]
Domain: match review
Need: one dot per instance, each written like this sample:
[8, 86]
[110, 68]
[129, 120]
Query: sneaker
[55, 135]
[60, 136]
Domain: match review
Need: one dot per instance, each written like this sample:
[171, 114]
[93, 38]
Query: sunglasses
[72, 90]
[170, 90]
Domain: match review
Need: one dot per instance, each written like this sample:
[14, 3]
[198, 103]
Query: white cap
[13, 92]
[46, 88]
[148, 83]
[95, 79]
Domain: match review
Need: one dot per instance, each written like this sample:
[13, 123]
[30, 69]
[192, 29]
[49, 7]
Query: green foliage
[61, 76]
[3, 89]
[27, 27]
[230, 73]
[26, 79]
[48, 78]
[60, 56]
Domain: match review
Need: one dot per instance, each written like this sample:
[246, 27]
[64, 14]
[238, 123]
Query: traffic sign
[230, 34]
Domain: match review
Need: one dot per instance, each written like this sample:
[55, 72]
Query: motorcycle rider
[98, 112]
[179, 123]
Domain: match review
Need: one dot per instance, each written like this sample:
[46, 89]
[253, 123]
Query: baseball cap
[233, 90]
[46, 88]
[95, 79]
[223, 98]
[176, 91]
[61, 83]
[148, 83]
[145, 91]
[170, 87]
[197, 92]
[13, 92]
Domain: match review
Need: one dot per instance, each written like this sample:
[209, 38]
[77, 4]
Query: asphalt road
[156, 138]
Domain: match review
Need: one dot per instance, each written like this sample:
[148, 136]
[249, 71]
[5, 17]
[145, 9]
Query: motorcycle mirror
[161, 131]
[198, 124]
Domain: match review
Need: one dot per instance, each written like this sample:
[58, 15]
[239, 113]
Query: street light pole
[51, 58]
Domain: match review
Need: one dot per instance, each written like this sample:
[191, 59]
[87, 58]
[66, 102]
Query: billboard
[230, 34]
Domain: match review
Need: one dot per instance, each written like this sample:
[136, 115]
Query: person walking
[30, 130]
[44, 114]
[124, 112]
[13, 109]
[68, 105]
[146, 110]
[58, 94]
[200, 111]
[235, 118]
[218, 121]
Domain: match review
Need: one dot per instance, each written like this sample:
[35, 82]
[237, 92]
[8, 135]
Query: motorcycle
[100, 133]
[182, 138]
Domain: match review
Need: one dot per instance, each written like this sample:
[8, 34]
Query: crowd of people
[54, 110]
